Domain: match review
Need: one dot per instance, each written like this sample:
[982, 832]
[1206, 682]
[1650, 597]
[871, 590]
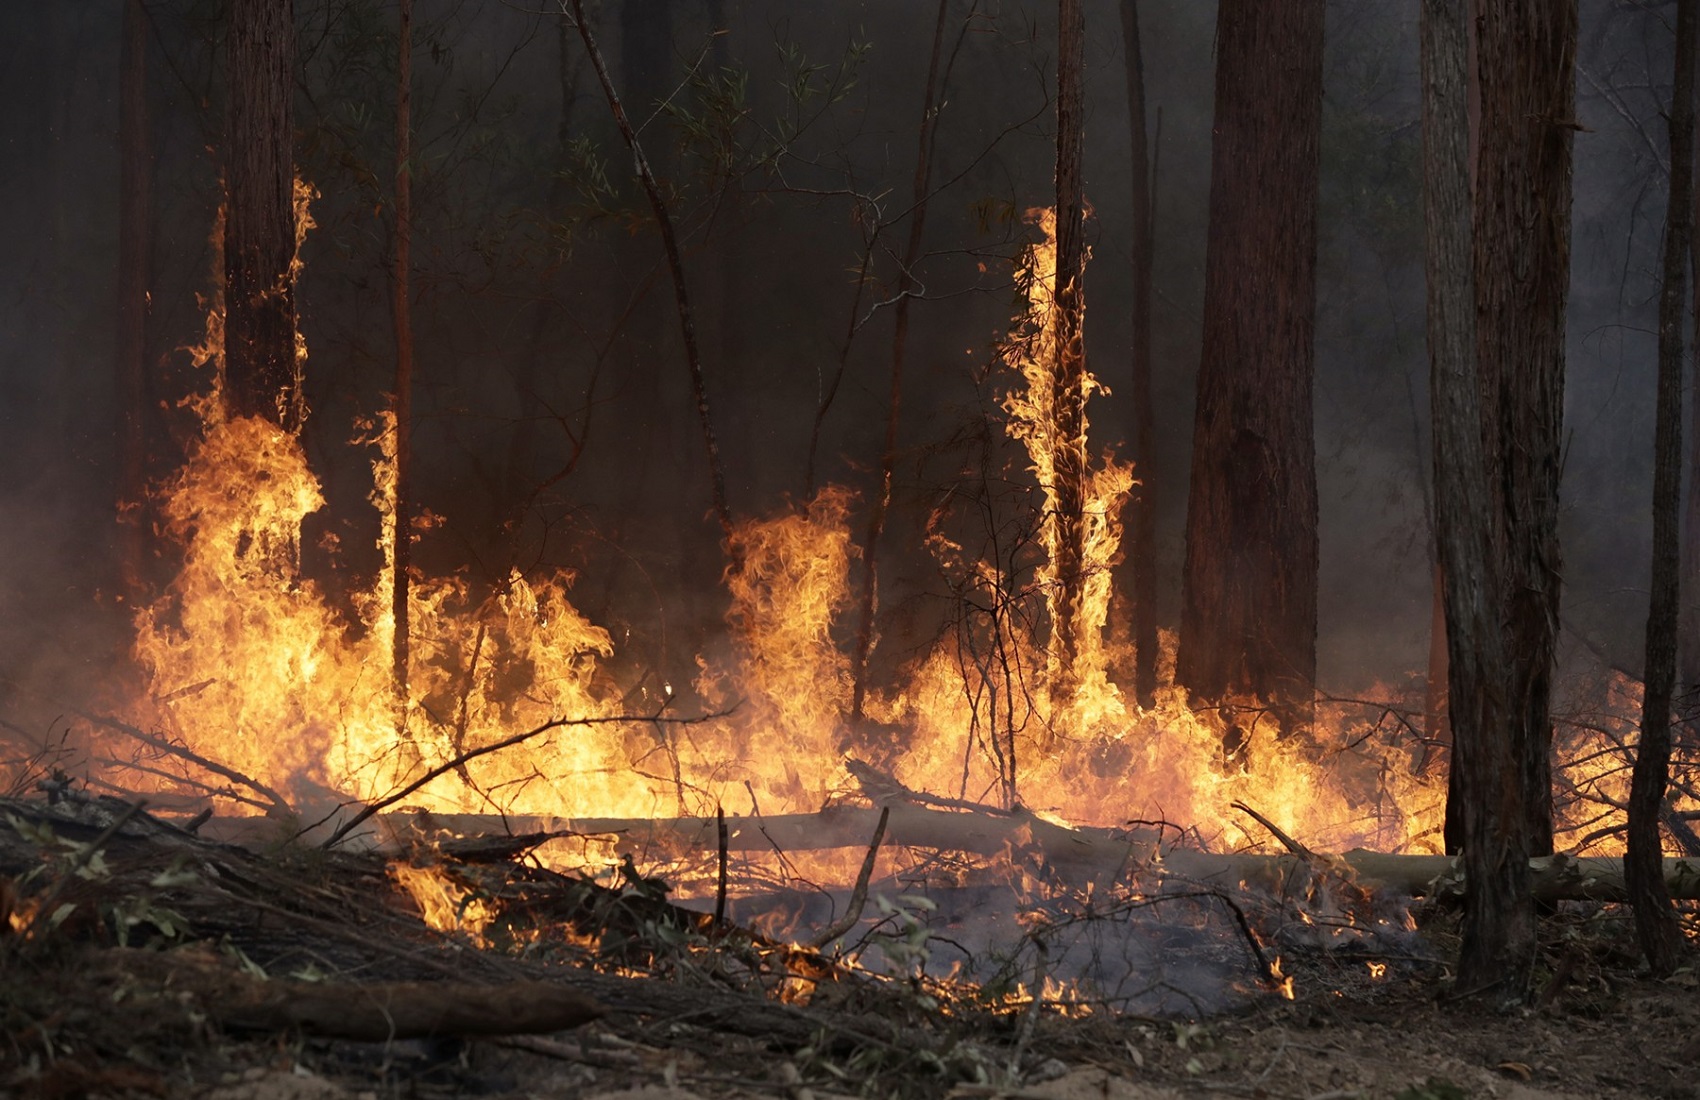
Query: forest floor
[137, 960]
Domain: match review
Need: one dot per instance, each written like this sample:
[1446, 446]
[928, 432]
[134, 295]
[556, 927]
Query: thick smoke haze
[556, 426]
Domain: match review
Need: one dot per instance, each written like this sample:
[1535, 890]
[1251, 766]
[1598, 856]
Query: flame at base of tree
[249, 663]
[1055, 437]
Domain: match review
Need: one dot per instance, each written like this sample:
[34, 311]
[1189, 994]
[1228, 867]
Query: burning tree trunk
[1066, 529]
[1248, 613]
[401, 538]
[1143, 552]
[135, 245]
[261, 375]
[1655, 921]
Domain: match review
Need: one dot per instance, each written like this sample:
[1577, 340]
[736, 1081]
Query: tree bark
[1499, 923]
[262, 377]
[1248, 615]
[401, 551]
[135, 259]
[1688, 628]
[1655, 919]
[1067, 527]
[1526, 58]
[1498, 514]
[1142, 549]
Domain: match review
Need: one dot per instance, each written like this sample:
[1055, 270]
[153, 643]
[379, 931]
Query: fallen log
[378, 1011]
[908, 826]
[1553, 878]
[1080, 855]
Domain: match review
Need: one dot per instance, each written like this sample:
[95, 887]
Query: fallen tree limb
[1091, 851]
[277, 801]
[1077, 854]
[509, 742]
[364, 1011]
[1554, 878]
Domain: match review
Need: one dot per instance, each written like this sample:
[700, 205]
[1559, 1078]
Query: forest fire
[255, 666]
[713, 614]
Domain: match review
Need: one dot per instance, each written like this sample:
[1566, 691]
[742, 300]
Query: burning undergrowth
[250, 664]
[1007, 761]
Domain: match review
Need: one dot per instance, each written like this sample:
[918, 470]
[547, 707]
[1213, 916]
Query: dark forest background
[555, 423]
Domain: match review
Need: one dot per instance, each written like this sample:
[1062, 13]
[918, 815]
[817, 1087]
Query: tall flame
[1036, 422]
[254, 665]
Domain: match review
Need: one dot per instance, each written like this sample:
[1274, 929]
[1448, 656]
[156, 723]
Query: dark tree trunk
[1525, 56]
[1655, 919]
[402, 550]
[1068, 373]
[135, 248]
[1498, 512]
[675, 264]
[1688, 629]
[899, 347]
[262, 377]
[1248, 598]
[1142, 548]
[1499, 923]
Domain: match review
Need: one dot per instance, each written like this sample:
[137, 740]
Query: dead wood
[1088, 851]
[1287, 842]
[1078, 855]
[276, 801]
[461, 760]
[1553, 878]
[858, 896]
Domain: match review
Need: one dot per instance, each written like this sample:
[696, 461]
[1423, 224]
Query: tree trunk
[1655, 919]
[401, 551]
[1499, 923]
[1248, 614]
[675, 262]
[1526, 55]
[1142, 551]
[135, 248]
[894, 403]
[1496, 465]
[262, 377]
[1688, 631]
[1067, 526]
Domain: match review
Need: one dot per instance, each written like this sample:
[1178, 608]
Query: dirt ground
[126, 951]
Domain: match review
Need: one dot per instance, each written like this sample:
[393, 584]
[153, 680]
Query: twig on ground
[1287, 842]
[858, 896]
[720, 882]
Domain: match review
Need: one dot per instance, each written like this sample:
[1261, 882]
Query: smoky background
[555, 425]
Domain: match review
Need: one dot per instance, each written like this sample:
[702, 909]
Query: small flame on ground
[444, 903]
